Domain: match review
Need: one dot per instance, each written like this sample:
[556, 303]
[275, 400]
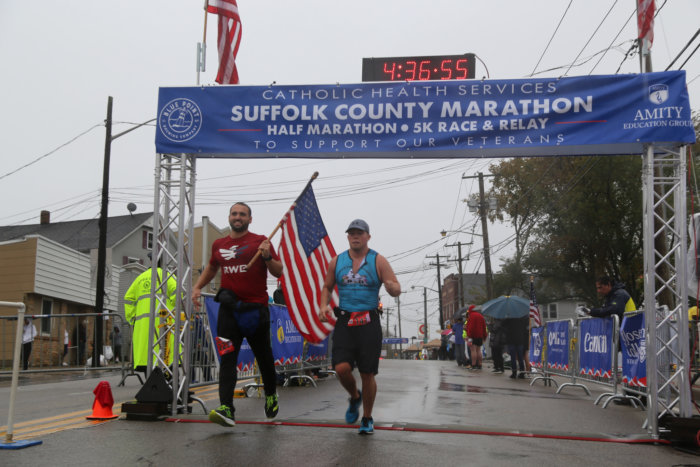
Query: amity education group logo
[658, 93]
[180, 120]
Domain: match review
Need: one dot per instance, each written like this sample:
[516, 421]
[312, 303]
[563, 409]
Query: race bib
[359, 318]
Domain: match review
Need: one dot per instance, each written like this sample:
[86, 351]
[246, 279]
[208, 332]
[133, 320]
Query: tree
[579, 218]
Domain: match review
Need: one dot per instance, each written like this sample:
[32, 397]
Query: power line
[561, 20]
[51, 152]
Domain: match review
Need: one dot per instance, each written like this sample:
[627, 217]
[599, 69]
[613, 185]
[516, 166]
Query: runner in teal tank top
[358, 273]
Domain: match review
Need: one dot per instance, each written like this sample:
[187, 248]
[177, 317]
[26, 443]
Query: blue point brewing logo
[180, 120]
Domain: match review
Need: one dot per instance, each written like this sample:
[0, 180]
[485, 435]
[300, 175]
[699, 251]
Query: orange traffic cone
[102, 407]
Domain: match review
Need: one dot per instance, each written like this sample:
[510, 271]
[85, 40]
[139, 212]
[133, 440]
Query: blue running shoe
[353, 412]
[367, 426]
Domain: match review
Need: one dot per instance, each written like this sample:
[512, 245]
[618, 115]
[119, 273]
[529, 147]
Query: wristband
[267, 259]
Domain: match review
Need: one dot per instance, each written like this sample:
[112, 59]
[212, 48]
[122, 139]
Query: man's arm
[327, 292]
[615, 307]
[207, 275]
[387, 277]
[273, 264]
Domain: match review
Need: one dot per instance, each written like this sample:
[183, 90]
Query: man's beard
[243, 227]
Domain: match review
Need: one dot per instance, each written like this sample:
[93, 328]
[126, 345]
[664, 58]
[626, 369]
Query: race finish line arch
[647, 114]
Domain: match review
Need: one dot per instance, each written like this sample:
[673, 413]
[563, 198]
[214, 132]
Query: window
[147, 239]
[552, 310]
[46, 308]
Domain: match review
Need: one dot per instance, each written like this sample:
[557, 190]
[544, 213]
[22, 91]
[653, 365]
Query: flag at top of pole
[305, 251]
[645, 24]
[229, 39]
[534, 309]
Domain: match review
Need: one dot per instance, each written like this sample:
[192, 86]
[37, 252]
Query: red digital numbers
[424, 69]
[390, 71]
[463, 67]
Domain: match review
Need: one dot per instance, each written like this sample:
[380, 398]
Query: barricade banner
[246, 359]
[537, 346]
[317, 352]
[558, 345]
[634, 356]
[595, 349]
[287, 342]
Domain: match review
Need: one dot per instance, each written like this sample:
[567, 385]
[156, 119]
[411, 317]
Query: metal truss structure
[665, 296]
[173, 218]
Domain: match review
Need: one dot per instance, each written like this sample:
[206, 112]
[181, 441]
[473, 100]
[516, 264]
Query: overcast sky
[61, 61]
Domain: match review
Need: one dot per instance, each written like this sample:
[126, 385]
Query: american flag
[229, 39]
[305, 251]
[534, 309]
[645, 23]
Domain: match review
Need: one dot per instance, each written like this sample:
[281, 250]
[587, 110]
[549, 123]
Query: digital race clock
[422, 68]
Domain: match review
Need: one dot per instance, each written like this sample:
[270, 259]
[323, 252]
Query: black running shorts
[360, 346]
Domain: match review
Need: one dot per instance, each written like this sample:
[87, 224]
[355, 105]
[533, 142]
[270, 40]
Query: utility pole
[482, 208]
[437, 263]
[459, 266]
[102, 242]
[398, 312]
[485, 232]
[425, 316]
[102, 225]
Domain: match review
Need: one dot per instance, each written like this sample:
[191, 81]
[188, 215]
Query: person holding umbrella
[477, 332]
[515, 313]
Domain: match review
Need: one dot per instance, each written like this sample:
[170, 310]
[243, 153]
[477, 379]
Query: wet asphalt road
[426, 413]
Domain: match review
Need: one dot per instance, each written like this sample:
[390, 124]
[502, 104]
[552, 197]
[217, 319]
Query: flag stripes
[229, 39]
[304, 273]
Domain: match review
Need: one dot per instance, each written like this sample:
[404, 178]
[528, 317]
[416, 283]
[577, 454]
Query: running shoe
[367, 426]
[222, 416]
[272, 406]
[353, 412]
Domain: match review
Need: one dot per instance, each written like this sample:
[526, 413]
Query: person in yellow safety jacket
[137, 307]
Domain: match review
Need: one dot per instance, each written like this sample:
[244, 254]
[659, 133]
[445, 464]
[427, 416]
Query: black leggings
[259, 341]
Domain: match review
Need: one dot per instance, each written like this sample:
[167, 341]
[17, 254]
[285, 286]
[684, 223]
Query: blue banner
[287, 342]
[558, 345]
[537, 346]
[634, 353]
[612, 114]
[595, 348]
[246, 359]
[317, 352]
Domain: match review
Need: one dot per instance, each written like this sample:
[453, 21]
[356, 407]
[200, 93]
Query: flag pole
[279, 224]
[202, 49]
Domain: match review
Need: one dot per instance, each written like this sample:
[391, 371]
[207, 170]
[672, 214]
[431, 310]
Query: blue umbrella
[506, 306]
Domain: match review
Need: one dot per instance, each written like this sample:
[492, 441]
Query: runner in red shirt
[243, 308]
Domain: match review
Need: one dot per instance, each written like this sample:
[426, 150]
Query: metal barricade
[64, 342]
[560, 355]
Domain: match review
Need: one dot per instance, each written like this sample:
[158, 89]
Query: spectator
[516, 335]
[477, 332]
[28, 335]
[497, 342]
[117, 343]
[457, 331]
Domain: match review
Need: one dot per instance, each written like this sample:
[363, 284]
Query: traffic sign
[421, 329]
[395, 340]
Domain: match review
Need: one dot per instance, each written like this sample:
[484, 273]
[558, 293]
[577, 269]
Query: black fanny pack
[355, 318]
[229, 299]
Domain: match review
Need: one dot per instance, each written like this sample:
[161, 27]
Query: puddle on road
[445, 386]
